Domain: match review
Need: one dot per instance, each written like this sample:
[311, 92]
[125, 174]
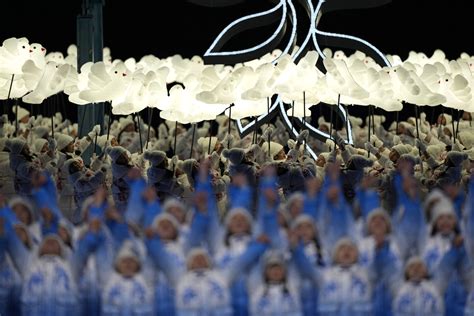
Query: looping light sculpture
[284, 12]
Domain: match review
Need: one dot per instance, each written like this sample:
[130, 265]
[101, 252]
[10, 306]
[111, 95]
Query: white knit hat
[274, 257]
[203, 143]
[275, 148]
[442, 207]
[435, 151]
[435, 195]
[23, 201]
[125, 121]
[448, 118]
[302, 218]
[467, 139]
[196, 252]
[55, 238]
[21, 111]
[165, 216]
[402, 149]
[379, 212]
[238, 211]
[15, 145]
[413, 260]
[169, 203]
[127, 251]
[38, 144]
[63, 140]
[342, 242]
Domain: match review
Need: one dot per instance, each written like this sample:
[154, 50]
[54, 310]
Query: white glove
[52, 144]
[95, 131]
[291, 143]
[215, 159]
[376, 141]
[174, 162]
[339, 140]
[370, 148]
[267, 134]
[58, 117]
[303, 136]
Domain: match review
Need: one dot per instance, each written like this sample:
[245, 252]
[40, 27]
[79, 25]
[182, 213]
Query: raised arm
[303, 264]
[135, 209]
[337, 220]
[451, 261]
[408, 218]
[161, 257]
[204, 189]
[199, 227]
[386, 267]
[468, 220]
[243, 262]
[92, 182]
[268, 220]
[85, 247]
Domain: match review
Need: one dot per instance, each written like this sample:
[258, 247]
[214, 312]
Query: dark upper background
[166, 27]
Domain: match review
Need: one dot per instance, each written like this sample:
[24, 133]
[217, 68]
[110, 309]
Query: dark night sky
[175, 26]
[167, 27]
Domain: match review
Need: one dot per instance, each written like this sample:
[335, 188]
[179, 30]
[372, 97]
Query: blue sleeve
[337, 222]
[303, 264]
[46, 196]
[50, 187]
[197, 231]
[119, 230]
[151, 210]
[50, 228]
[84, 247]
[162, 259]
[458, 203]
[244, 261]
[385, 265]
[135, 206]
[368, 200]
[8, 229]
[44, 200]
[8, 215]
[271, 228]
[97, 211]
[18, 252]
[468, 220]
[240, 197]
[323, 203]
[312, 205]
[449, 263]
[214, 228]
[408, 221]
[3, 248]
[262, 207]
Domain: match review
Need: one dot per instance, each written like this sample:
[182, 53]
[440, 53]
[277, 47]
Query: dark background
[167, 27]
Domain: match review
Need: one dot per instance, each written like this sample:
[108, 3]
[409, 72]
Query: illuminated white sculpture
[106, 83]
[52, 81]
[14, 52]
